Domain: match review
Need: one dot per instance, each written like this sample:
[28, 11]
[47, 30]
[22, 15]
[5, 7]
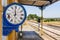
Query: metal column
[41, 30]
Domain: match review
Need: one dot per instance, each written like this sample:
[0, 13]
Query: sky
[51, 11]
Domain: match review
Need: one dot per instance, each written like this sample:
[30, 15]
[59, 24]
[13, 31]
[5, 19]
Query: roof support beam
[50, 1]
[33, 2]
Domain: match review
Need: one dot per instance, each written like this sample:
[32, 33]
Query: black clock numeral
[9, 10]
[8, 16]
[21, 18]
[16, 7]
[18, 20]
[14, 21]
[22, 14]
[11, 7]
[21, 11]
[11, 20]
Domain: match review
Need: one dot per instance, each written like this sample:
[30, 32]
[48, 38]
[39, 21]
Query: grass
[55, 23]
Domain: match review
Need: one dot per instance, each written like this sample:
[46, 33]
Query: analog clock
[15, 14]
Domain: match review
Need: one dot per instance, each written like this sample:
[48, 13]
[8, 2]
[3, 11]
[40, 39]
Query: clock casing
[10, 23]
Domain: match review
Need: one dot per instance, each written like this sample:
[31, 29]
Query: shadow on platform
[29, 35]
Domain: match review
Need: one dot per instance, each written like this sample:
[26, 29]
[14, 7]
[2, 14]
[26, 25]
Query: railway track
[50, 33]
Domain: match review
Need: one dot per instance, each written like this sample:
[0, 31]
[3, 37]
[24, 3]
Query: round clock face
[15, 14]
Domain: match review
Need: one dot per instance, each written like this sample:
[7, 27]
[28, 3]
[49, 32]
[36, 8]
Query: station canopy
[37, 2]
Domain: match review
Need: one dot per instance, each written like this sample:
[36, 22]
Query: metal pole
[21, 33]
[41, 20]
[21, 27]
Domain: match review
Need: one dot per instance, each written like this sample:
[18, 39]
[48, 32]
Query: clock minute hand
[15, 12]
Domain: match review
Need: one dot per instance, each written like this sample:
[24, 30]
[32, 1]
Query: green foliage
[46, 20]
[33, 17]
[51, 19]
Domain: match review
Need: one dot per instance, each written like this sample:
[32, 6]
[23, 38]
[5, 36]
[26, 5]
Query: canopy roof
[37, 2]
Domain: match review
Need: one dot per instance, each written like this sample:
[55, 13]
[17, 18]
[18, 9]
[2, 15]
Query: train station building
[39, 3]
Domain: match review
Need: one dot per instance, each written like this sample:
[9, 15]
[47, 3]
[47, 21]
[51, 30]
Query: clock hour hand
[15, 13]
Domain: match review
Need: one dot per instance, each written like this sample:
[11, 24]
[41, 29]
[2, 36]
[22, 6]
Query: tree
[33, 17]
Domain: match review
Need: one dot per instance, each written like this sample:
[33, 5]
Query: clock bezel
[4, 14]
